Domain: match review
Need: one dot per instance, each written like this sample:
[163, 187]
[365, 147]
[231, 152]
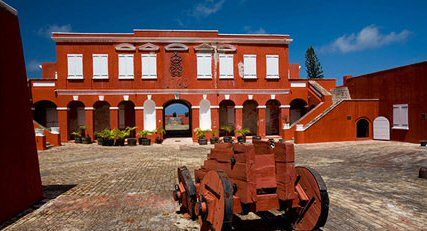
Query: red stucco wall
[20, 183]
[402, 85]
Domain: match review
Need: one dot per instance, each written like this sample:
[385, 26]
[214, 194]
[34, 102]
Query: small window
[226, 64]
[400, 116]
[149, 66]
[249, 67]
[75, 66]
[204, 66]
[100, 66]
[272, 66]
[126, 66]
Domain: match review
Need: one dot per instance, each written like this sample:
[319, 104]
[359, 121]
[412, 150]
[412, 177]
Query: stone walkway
[372, 186]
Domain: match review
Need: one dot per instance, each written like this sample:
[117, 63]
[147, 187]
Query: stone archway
[362, 128]
[45, 113]
[250, 116]
[227, 115]
[177, 118]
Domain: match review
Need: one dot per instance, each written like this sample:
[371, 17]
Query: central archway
[177, 118]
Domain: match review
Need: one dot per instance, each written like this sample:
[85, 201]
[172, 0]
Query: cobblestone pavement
[372, 186]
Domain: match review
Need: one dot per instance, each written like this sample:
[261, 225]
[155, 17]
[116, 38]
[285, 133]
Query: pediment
[226, 48]
[125, 47]
[204, 47]
[176, 47]
[148, 47]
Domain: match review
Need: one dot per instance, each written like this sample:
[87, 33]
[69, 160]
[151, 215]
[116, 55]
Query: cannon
[259, 177]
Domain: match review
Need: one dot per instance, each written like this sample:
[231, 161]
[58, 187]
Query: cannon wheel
[316, 214]
[215, 206]
[187, 196]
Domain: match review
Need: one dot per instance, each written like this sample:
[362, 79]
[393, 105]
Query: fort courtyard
[372, 185]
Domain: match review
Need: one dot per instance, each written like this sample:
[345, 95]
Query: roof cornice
[8, 7]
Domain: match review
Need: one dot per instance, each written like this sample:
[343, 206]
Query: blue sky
[350, 37]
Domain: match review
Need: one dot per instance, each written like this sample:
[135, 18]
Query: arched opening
[126, 114]
[227, 115]
[101, 116]
[76, 116]
[362, 126]
[149, 115]
[205, 119]
[177, 118]
[250, 116]
[45, 113]
[297, 110]
[381, 128]
[273, 117]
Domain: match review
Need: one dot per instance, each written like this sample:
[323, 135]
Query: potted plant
[143, 140]
[242, 135]
[214, 138]
[131, 140]
[104, 137]
[160, 133]
[86, 140]
[201, 136]
[77, 136]
[118, 137]
[228, 129]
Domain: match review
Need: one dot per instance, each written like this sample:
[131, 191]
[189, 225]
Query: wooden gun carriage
[258, 177]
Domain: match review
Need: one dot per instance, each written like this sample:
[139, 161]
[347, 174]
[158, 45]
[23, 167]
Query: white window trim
[142, 72]
[73, 77]
[133, 66]
[399, 127]
[256, 69]
[197, 68]
[266, 67]
[93, 67]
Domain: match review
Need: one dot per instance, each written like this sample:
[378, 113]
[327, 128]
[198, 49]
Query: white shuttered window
[75, 66]
[272, 66]
[204, 66]
[226, 64]
[149, 66]
[126, 66]
[400, 116]
[100, 66]
[249, 67]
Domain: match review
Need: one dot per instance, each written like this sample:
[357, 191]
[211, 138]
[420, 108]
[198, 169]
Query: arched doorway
[362, 127]
[381, 128]
[205, 119]
[76, 116]
[272, 117]
[298, 108]
[101, 116]
[250, 116]
[45, 113]
[177, 118]
[149, 115]
[227, 115]
[126, 114]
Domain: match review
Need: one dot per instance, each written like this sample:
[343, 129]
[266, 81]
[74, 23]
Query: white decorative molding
[250, 97]
[285, 106]
[195, 107]
[287, 126]
[300, 127]
[176, 47]
[125, 47]
[204, 48]
[148, 47]
[227, 97]
[126, 97]
[114, 108]
[205, 96]
[159, 108]
[44, 84]
[262, 107]
[54, 130]
[272, 96]
[214, 107]
[75, 97]
[226, 48]
[149, 97]
[151, 92]
[62, 108]
[101, 98]
[238, 107]
[139, 108]
[298, 85]
[89, 108]
[176, 96]
[56, 75]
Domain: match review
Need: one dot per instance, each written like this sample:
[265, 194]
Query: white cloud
[249, 30]
[369, 37]
[47, 30]
[33, 65]
[207, 8]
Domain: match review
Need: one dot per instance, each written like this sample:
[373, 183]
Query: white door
[381, 128]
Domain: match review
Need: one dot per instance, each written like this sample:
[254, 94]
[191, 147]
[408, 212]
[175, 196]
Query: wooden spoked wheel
[315, 211]
[185, 192]
[215, 204]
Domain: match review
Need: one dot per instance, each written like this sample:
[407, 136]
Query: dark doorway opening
[126, 114]
[76, 116]
[101, 116]
[250, 116]
[273, 117]
[177, 118]
[45, 113]
[227, 116]
[297, 110]
[362, 128]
